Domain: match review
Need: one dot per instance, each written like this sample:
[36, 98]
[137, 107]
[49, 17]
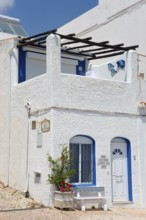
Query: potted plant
[60, 174]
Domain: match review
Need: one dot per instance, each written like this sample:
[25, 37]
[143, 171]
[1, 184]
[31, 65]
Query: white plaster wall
[38, 160]
[103, 72]
[36, 91]
[26, 158]
[102, 128]
[116, 21]
[75, 105]
[4, 36]
[5, 96]
[96, 94]
[120, 22]
[142, 144]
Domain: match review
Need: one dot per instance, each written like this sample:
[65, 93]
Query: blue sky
[42, 15]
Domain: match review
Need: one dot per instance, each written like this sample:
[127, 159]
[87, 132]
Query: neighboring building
[10, 26]
[52, 93]
[115, 20]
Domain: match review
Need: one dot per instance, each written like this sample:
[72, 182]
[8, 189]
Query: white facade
[120, 22]
[108, 108]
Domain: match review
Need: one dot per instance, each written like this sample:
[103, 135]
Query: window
[31, 64]
[83, 159]
[117, 151]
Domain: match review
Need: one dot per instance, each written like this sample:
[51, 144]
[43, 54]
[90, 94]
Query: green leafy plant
[61, 170]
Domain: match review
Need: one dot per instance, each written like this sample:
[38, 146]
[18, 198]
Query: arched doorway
[121, 170]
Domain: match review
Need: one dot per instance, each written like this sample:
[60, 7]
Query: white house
[53, 92]
[118, 21]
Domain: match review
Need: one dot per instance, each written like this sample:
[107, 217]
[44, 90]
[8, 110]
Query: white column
[53, 68]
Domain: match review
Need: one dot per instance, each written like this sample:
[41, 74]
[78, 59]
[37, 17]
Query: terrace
[77, 57]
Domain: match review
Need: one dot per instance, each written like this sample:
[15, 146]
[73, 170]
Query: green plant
[61, 170]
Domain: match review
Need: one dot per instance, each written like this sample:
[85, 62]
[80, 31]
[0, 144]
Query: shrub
[61, 170]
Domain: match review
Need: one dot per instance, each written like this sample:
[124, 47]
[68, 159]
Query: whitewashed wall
[5, 108]
[74, 105]
[4, 36]
[116, 21]
[120, 22]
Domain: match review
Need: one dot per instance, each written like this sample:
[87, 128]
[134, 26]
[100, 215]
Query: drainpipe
[28, 108]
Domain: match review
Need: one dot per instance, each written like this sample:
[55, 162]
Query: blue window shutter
[81, 68]
[22, 66]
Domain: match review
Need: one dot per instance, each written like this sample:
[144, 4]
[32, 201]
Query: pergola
[77, 46]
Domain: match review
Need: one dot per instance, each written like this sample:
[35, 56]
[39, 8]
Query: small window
[82, 154]
[117, 151]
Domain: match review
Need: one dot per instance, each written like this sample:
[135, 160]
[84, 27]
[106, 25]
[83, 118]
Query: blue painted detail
[129, 170]
[82, 185]
[93, 165]
[121, 64]
[113, 71]
[110, 66]
[81, 68]
[22, 66]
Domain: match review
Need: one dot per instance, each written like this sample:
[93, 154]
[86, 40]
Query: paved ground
[14, 206]
[54, 214]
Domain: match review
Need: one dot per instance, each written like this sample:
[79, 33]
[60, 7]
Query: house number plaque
[103, 162]
[45, 125]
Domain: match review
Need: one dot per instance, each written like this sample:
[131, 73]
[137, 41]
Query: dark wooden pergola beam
[73, 48]
[41, 34]
[72, 42]
[105, 51]
[106, 56]
[76, 40]
[76, 53]
[131, 47]
[28, 41]
[71, 35]
[98, 49]
[103, 48]
[25, 43]
[79, 47]
[42, 42]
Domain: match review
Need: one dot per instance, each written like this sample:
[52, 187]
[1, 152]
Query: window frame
[80, 140]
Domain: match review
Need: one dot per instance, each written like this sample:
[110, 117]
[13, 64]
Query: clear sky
[42, 15]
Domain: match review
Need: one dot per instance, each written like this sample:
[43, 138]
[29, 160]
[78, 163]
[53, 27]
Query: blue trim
[129, 170]
[81, 68]
[93, 163]
[82, 185]
[22, 66]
